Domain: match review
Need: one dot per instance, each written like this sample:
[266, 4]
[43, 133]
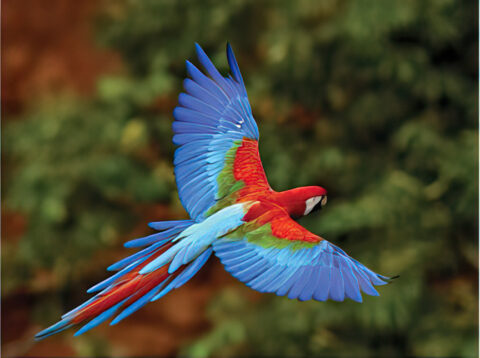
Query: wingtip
[230, 54]
[188, 64]
[53, 329]
[115, 320]
[232, 62]
[199, 49]
[391, 279]
[78, 333]
[134, 243]
[358, 299]
[112, 267]
[39, 336]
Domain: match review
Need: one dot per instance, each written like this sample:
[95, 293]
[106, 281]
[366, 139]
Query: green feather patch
[227, 185]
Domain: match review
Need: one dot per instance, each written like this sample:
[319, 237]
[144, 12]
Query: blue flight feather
[207, 83]
[300, 283]
[129, 259]
[163, 225]
[352, 289]
[214, 108]
[322, 287]
[105, 283]
[285, 286]
[232, 62]
[100, 318]
[142, 301]
[337, 289]
[320, 272]
[152, 239]
[190, 102]
[185, 275]
[213, 72]
[195, 90]
[307, 292]
[57, 327]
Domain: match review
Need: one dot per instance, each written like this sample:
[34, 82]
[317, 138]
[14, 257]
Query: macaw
[234, 214]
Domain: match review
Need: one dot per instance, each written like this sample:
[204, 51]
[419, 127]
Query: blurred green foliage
[374, 100]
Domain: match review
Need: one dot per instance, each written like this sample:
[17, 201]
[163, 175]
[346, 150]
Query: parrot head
[302, 201]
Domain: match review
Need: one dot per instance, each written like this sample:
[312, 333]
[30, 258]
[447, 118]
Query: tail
[172, 257]
[129, 289]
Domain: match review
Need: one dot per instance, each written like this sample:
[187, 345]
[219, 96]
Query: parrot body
[234, 213]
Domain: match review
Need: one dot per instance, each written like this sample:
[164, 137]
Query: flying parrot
[234, 214]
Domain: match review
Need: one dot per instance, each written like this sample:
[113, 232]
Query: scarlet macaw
[234, 213]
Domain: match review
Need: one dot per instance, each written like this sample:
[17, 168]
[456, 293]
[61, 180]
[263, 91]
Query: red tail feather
[131, 284]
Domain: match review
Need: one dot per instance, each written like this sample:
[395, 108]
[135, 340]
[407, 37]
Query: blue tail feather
[127, 266]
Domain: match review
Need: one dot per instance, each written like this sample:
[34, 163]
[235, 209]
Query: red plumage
[247, 167]
[131, 284]
[267, 211]
[272, 207]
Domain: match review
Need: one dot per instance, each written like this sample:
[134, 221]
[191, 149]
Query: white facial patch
[310, 204]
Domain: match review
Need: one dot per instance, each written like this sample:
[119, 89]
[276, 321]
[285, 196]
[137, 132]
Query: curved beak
[323, 201]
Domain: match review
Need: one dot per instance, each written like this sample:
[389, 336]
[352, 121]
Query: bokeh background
[375, 100]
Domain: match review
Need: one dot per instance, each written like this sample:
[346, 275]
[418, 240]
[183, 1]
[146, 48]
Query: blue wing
[298, 269]
[212, 115]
